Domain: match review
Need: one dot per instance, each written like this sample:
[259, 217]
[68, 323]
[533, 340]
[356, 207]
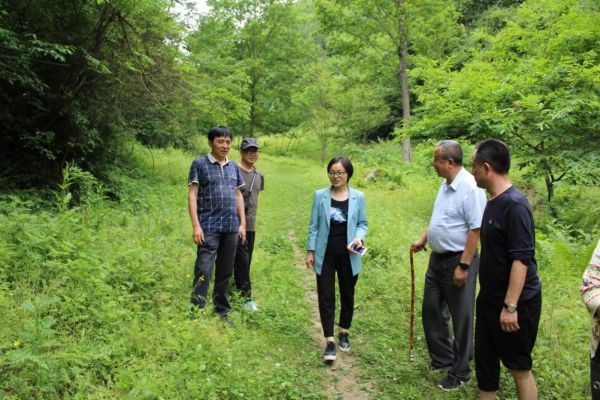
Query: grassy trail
[341, 380]
[381, 319]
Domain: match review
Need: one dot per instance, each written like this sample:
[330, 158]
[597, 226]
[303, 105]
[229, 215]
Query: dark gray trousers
[217, 249]
[443, 301]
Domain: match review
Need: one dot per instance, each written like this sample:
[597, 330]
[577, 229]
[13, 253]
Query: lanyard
[252, 183]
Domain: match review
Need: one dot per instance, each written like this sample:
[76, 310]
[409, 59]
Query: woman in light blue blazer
[338, 226]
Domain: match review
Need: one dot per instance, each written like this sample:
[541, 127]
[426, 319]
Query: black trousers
[326, 292]
[493, 345]
[241, 269]
[217, 250]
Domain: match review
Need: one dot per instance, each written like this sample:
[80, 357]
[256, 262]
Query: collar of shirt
[214, 160]
[457, 180]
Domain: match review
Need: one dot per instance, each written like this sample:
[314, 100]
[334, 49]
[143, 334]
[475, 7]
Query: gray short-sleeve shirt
[250, 192]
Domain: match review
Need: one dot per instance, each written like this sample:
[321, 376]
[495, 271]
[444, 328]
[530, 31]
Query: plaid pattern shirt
[217, 184]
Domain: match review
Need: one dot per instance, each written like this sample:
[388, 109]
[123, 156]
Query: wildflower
[17, 343]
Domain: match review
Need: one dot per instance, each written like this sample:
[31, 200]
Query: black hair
[346, 163]
[451, 150]
[219, 131]
[494, 152]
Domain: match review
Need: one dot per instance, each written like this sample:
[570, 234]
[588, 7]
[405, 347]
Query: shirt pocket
[453, 212]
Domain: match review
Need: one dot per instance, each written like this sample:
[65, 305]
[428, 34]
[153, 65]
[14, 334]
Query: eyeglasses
[336, 173]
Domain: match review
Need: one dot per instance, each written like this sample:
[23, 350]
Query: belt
[448, 254]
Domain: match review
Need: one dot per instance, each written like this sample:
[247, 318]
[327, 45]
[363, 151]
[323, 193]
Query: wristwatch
[464, 266]
[511, 308]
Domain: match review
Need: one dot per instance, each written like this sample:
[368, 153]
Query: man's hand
[310, 259]
[509, 321]
[418, 245]
[242, 233]
[460, 277]
[198, 235]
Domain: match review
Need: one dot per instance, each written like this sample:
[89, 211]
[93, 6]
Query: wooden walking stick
[411, 328]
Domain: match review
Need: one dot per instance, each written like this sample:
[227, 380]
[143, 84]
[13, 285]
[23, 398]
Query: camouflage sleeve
[590, 288]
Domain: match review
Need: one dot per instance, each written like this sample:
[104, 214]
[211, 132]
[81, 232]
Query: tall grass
[95, 299]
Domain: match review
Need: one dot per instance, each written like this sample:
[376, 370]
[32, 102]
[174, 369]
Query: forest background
[103, 104]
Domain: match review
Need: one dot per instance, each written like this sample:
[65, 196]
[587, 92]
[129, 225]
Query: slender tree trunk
[550, 190]
[323, 142]
[252, 105]
[403, 74]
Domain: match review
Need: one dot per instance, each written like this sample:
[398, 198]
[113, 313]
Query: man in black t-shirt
[510, 298]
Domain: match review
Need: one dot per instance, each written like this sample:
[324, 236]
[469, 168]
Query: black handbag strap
[252, 183]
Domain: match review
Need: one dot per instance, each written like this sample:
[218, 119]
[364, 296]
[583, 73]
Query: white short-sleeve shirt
[458, 208]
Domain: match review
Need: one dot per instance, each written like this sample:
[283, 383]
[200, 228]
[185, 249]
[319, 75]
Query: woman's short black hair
[346, 163]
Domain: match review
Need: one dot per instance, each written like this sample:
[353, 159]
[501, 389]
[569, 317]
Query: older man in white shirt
[452, 272]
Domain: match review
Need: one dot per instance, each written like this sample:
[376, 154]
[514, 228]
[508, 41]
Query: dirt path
[341, 380]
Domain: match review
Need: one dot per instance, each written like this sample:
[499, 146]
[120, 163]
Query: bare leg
[486, 395]
[525, 384]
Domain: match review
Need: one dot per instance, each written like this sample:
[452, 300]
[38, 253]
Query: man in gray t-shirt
[254, 183]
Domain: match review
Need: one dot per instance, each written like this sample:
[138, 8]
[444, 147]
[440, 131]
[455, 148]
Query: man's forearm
[470, 246]
[518, 274]
[239, 199]
[193, 207]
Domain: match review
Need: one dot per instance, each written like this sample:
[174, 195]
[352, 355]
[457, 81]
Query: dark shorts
[493, 345]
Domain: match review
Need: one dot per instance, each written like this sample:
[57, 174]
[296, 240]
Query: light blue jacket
[318, 229]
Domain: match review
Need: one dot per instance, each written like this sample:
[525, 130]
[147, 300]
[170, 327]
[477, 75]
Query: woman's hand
[310, 259]
[357, 241]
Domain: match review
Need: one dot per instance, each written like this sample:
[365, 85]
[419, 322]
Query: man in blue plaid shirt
[216, 209]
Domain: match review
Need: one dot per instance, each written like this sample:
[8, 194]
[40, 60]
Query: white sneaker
[250, 306]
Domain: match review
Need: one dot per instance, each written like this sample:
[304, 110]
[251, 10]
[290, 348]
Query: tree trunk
[402, 52]
[252, 106]
[550, 190]
[323, 142]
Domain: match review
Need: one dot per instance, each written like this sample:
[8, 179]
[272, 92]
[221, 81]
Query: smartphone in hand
[358, 248]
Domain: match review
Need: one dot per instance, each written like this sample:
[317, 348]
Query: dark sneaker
[450, 383]
[329, 354]
[344, 341]
[227, 321]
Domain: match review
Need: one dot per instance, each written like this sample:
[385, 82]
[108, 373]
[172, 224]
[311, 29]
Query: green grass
[94, 300]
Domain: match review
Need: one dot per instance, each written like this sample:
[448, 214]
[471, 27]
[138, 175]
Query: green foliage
[365, 37]
[84, 185]
[80, 79]
[534, 84]
[249, 55]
